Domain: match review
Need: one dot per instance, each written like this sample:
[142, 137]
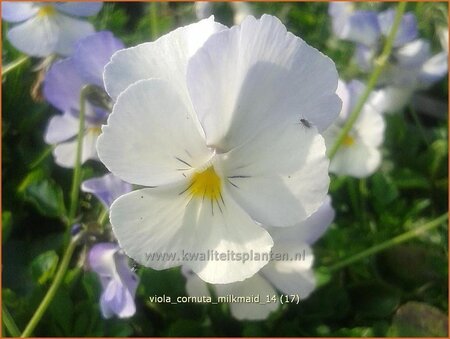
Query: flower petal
[62, 85]
[150, 138]
[162, 228]
[14, 11]
[101, 258]
[61, 128]
[413, 54]
[65, 153]
[80, 8]
[292, 277]
[36, 37]
[307, 231]
[106, 188]
[256, 75]
[407, 30]
[70, 31]
[390, 99]
[254, 286]
[280, 177]
[166, 58]
[93, 53]
[434, 69]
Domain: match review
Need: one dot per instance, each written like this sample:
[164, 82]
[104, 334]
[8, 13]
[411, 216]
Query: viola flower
[359, 155]
[62, 87]
[106, 188]
[209, 120]
[290, 277]
[119, 283]
[44, 28]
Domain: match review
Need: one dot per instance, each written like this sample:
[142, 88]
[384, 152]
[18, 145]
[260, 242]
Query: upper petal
[18, 11]
[36, 37]
[62, 85]
[93, 53]
[280, 177]
[165, 58]
[150, 138]
[163, 227]
[70, 31]
[434, 69]
[359, 26]
[255, 75]
[80, 8]
[407, 30]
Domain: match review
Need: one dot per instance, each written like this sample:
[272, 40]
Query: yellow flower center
[95, 130]
[348, 140]
[46, 10]
[205, 184]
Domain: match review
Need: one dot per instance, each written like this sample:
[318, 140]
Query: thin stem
[154, 20]
[389, 243]
[14, 64]
[51, 291]
[103, 216]
[42, 156]
[9, 322]
[76, 180]
[380, 63]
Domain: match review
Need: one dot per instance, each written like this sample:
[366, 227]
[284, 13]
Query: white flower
[209, 119]
[359, 155]
[44, 28]
[290, 277]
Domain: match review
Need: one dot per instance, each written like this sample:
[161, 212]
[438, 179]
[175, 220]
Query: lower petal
[163, 227]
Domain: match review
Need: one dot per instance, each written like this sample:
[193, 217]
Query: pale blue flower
[44, 28]
[106, 188]
[118, 281]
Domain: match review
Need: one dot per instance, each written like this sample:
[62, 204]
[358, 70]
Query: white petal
[167, 222]
[370, 126]
[414, 53]
[358, 160]
[307, 231]
[61, 128]
[166, 58]
[280, 177]
[253, 286]
[292, 276]
[14, 11]
[80, 8]
[65, 153]
[150, 138]
[36, 37]
[390, 99]
[344, 94]
[70, 31]
[256, 75]
[434, 69]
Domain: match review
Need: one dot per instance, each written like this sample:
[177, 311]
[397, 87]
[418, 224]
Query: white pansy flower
[213, 122]
[293, 276]
[43, 28]
[359, 155]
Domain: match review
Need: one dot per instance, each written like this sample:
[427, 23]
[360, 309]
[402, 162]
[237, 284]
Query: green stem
[14, 64]
[9, 322]
[389, 243]
[42, 156]
[45, 303]
[380, 63]
[103, 216]
[76, 180]
[154, 20]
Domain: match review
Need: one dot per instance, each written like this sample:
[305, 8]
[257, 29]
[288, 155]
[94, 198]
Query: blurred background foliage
[399, 292]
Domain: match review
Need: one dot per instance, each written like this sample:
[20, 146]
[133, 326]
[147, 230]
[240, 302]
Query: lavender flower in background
[359, 156]
[119, 283]
[106, 188]
[62, 87]
[44, 28]
[290, 277]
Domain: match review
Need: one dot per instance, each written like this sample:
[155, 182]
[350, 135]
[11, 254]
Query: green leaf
[43, 193]
[44, 266]
[415, 319]
[6, 225]
[383, 189]
[374, 299]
